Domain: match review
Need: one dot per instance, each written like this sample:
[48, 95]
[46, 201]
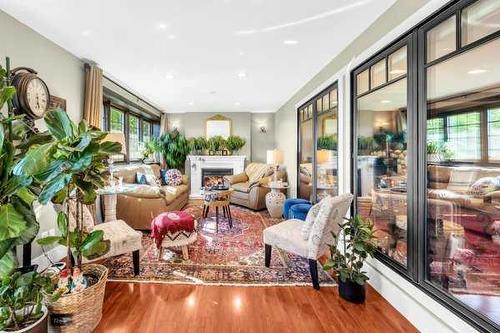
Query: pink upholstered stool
[174, 229]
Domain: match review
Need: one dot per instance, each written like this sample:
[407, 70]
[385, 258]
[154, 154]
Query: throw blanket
[170, 222]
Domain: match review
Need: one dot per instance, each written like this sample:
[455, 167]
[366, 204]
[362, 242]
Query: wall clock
[32, 94]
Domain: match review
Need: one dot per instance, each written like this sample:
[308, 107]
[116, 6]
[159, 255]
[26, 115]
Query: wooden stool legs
[185, 252]
[226, 212]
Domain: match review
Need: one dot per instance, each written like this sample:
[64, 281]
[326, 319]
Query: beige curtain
[93, 95]
[163, 123]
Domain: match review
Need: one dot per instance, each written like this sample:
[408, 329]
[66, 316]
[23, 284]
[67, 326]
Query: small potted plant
[21, 302]
[198, 144]
[216, 144]
[234, 143]
[433, 152]
[348, 254]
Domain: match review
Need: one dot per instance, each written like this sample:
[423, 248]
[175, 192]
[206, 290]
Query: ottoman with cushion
[289, 203]
[299, 211]
[174, 229]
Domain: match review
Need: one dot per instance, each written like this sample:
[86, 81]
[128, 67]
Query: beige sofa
[249, 187]
[140, 206]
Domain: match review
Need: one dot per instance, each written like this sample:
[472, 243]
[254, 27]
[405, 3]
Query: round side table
[275, 199]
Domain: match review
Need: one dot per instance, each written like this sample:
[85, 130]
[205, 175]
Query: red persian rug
[233, 256]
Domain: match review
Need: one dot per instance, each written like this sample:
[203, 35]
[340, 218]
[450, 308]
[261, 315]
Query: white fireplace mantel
[199, 162]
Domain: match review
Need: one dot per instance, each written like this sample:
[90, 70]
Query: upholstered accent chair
[122, 238]
[310, 238]
[248, 186]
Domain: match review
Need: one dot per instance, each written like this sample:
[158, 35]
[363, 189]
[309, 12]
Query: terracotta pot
[352, 292]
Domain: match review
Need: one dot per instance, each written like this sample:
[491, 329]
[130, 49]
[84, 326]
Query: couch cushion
[144, 191]
[256, 171]
[439, 173]
[241, 187]
[170, 193]
[461, 179]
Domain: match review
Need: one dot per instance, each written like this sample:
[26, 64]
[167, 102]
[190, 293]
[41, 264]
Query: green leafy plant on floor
[21, 296]
[18, 225]
[357, 245]
[216, 143]
[174, 147]
[69, 163]
[235, 143]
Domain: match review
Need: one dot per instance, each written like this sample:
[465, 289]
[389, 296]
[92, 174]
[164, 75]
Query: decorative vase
[40, 326]
[352, 292]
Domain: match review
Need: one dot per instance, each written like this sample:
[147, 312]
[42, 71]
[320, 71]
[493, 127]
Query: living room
[272, 166]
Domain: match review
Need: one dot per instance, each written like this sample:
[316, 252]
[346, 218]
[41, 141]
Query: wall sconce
[263, 129]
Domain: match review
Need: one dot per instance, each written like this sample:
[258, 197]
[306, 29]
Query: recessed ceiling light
[385, 101]
[477, 71]
[237, 103]
[242, 74]
[241, 53]
[290, 42]
[212, 92]
[169, 76]
[162, 26]
[86, 33]
[171, 36]
[191, 103]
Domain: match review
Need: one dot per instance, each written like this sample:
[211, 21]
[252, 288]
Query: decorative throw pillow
[310, 218]
[173, 177]
[483, 186]
[140, 178]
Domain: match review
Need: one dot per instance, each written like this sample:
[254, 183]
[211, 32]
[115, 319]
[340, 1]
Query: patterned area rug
[234, 256]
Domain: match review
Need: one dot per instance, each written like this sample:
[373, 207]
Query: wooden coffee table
[220, 200]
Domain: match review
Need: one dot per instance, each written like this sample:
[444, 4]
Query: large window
[426, 162]
[136, 128]
[318, 127]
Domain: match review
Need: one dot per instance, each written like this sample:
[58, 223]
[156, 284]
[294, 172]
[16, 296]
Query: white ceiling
[187, 55]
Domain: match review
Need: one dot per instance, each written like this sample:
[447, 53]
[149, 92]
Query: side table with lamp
[276, 198]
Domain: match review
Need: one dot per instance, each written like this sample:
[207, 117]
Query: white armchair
[310, 238]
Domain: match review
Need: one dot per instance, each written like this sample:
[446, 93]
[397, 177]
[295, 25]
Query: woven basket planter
[80, 312]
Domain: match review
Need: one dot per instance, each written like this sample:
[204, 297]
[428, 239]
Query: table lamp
[275, 157]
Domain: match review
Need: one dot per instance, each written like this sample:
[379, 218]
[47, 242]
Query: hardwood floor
[134, 307]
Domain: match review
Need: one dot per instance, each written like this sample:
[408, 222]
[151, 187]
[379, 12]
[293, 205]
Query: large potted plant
[20, 291]
[174, 148]
[348, 254]
[234, 143]
[68, 162]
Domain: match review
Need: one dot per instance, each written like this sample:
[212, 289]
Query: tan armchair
[138, 208]
[248, 186]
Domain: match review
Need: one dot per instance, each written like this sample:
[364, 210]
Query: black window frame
[417, 268]
[314, 118]
[127, 113]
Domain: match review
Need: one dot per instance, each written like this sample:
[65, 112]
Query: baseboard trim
[56, 254]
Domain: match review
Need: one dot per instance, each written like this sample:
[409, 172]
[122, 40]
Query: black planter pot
[352, 292]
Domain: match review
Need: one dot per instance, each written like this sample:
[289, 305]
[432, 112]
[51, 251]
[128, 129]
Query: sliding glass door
[317, 158]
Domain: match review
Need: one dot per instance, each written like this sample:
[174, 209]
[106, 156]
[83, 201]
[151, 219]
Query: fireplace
[213, 178]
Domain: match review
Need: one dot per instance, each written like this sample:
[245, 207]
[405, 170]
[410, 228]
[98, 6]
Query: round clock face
[37, 97]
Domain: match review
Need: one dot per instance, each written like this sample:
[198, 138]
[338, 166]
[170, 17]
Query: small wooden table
[220, 199]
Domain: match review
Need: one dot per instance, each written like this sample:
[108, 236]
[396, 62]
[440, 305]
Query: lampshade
[117, 137]
[323, 156]
[275, 157]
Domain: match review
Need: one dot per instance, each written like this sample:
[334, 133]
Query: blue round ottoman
[289, 203]
[300, 211]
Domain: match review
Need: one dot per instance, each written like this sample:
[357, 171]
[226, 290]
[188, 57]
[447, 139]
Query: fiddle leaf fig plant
[69, 166]
[18, 225]
[357, 245]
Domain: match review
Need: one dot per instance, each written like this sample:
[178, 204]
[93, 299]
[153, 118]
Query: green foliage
[21, 299]
[367, 145]
[174, 148]
[151, 147]
[235, 143]
[357, 243]
[18, 224]
[327, 142]
[198, 144]
[216, 143]
[70, 165]
[439, 148]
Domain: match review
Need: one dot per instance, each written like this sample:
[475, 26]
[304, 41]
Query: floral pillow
[484, 185]
[173, 177]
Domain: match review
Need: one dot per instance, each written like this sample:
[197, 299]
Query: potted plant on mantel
[198, 144]
[347, 262]
[69, 161]
[216, 144]
[234, 143]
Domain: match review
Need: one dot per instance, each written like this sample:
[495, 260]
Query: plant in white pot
[348, 255]
[69, 162]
